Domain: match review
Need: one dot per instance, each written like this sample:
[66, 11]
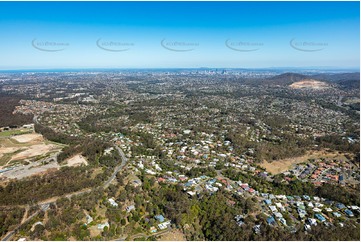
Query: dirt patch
[310, 84]
[8, 142]
[96, 171]
[175, 235]
[94, 231]
[5, 150]
[276, 167]
[283, 165]
[34, 150]
[77, 160]
[29, 147]
[25, 138]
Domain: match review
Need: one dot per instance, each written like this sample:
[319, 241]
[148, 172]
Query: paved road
[117, 168]
[44, 205]
[11, 233]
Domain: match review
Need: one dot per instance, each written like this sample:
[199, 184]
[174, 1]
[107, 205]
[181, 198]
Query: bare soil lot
[283, 165]
[77, 160]
[34, 150]
[17, 151]
[25, 138]
[175, 235]
[309, 83]
[5, 150]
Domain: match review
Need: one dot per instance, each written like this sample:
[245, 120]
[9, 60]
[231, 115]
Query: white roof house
[312, 221]
[164, 225]
[279, 205]
[317, 210]
[319, 205]
[130, 208]
[328, 209]
[112, 202]
[273, 209]
[103, 225]
[89, 219]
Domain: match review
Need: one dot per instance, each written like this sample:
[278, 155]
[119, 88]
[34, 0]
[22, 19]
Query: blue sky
[179, 34]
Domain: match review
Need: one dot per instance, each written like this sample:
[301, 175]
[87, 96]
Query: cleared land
[310, 84]
[5, 150]
[94, 231]
[174, 235]
[25, 138]
[27, 154]
[280, 166]
[77, 160]
[29, 170]
[35, 150]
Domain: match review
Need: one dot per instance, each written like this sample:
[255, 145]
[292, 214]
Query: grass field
[8, 133]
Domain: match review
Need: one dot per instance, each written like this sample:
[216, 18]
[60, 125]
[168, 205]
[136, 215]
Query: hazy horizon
[285, 68]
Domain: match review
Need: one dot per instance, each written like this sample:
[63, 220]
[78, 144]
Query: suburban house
[320, 217]
[103, 225]
[271, 220]
[130, 208]
[160, 218]
[112, 202]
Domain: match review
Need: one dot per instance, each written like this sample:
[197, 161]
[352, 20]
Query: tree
[123, 222]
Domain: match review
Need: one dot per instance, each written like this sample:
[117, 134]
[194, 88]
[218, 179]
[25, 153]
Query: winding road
[117, 168]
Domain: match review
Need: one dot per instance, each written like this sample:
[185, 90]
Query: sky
[179, 34]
